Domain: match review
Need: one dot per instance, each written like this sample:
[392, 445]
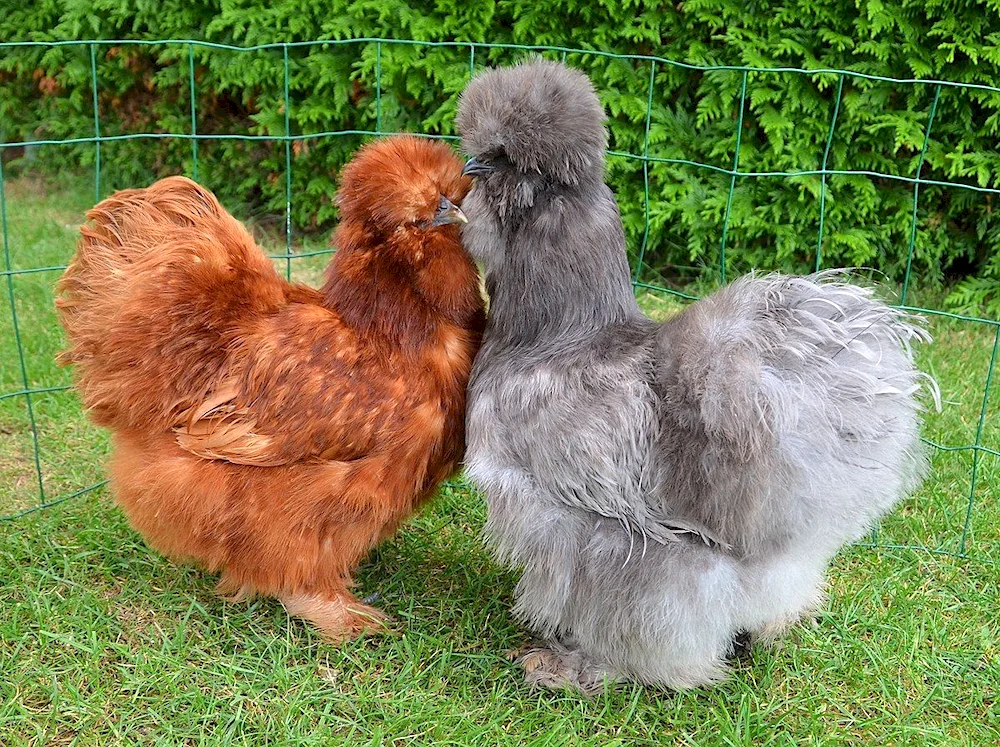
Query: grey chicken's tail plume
[768, 359]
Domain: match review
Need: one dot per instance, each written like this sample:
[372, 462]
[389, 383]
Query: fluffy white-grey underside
[777, 417]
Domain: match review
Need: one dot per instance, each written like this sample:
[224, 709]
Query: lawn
[103, 642]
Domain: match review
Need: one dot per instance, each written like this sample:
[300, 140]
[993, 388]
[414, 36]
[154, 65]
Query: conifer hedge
[774, 221]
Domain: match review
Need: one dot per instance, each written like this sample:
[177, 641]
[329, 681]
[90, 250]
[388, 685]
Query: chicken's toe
[339, 618]
[556, 667]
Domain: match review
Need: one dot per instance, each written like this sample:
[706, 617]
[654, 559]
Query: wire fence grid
[31, 392]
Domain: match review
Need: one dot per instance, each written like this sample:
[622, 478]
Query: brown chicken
[264, 429]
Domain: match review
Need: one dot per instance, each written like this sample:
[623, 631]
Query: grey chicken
[665, 488]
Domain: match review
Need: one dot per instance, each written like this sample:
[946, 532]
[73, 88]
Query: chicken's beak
[476, 168]
[447, 213]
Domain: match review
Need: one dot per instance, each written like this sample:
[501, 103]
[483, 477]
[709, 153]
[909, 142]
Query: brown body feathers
[265, 429]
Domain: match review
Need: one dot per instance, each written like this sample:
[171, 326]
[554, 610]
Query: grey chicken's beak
[476, 168]
[448, 212]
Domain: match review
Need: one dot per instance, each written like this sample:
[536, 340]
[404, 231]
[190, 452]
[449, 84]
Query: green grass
[103, 642]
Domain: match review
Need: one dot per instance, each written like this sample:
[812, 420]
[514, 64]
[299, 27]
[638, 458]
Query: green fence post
[645, 175]
[732, 181]
[288, 167]
[916, 195]
[378, 88]
[977, 451]
[822, 184]
[8, 266]
[97, 125]
[194, 117]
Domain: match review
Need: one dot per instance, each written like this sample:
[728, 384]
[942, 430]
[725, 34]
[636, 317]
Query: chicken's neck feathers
[380, 294]
[564, 271]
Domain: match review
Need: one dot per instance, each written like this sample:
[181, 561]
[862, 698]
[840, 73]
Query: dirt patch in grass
[17, 473]
[44, 193]
[29, 186]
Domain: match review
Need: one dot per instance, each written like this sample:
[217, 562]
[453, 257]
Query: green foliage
[773, 221]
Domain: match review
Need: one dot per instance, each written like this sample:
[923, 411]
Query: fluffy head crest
[399, 180]
[541, 116]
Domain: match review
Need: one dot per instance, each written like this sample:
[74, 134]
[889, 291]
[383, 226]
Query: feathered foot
[556, 667]
[338, 619]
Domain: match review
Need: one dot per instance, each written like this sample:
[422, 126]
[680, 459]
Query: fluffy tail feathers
[792, 383]
[159, 273]
[746, 350]
[116, 246]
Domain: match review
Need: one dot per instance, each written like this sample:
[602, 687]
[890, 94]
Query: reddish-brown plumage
[264, 429]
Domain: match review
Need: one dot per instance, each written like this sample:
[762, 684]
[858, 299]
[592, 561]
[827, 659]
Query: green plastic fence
[30, 393]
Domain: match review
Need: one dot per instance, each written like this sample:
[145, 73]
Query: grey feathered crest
[542, 116]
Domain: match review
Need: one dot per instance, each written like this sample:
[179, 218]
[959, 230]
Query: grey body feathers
[662, 486]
